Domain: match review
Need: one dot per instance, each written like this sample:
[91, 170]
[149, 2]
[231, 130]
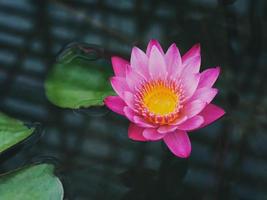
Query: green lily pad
[12, 131]
[76, 82]
[31, 183]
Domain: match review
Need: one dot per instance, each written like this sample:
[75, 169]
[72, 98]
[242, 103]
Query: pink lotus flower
[164, 95]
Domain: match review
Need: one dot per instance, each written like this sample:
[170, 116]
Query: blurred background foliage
[95, 158]
[31, 182]
[79, 77]
[12, 132]
[27, 182]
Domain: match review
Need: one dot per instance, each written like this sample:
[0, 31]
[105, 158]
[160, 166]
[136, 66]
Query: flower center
[159, 101]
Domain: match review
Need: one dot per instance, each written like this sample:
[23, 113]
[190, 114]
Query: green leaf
[77, 82]
[31, 183]
[12, 131]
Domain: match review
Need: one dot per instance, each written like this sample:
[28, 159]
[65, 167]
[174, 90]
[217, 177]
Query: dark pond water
[94, 157]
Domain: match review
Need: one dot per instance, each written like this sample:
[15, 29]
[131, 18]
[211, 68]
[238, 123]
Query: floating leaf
[31, 183]
[79, 79]
[12, 131]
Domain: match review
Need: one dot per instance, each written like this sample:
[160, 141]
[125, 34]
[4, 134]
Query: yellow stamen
[160, 98]
[161, 101]
[158, 101]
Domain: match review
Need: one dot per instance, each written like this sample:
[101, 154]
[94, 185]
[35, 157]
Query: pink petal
[129, 99]
[135, 133]
[193, 64]
[141, 122]
[208, 77]
[156, 64]
[204, 94]
[193, 52]
[166, 129]
[192, 108]
[178, 142]
[192, 123]
[173, 61]
[139, 62]
[129, 113]
[189, 83]
[119, 65]
[119, 85]
[115, 103]
[211, 113]
[180, 120]
[133, 79]
[152, 43]
[152, 134]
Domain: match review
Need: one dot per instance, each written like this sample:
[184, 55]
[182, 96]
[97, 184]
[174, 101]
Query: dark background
[94, 157]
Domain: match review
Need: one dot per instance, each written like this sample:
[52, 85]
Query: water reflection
[81, 50]
[164, 183]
